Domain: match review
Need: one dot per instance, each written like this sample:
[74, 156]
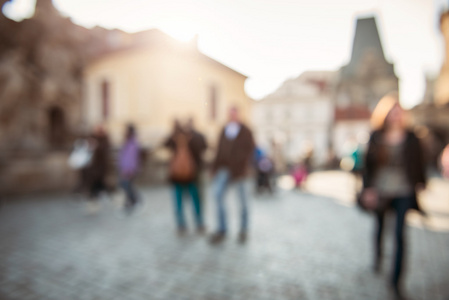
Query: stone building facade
[329, 111]
[431, 117]
[41, 63]
[361, 84]
[297, 117]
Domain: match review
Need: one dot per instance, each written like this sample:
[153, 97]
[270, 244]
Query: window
[213, 103]
[57, 130]
[105, 95]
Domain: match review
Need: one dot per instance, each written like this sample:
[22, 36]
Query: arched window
[56, 127]
[105, 95]
[213, 103]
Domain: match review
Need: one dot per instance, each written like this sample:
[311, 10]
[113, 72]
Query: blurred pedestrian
[264, 171]
[183, 174]
[393, 174]
[198, 144]
[299, 173]
[79, 160]
[99, 167]
[234, 154]
[128, 166]
[307, 160]
[278, 157]
[357, 158]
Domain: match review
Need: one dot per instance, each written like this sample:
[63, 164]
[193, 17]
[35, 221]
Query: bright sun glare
[178, 32]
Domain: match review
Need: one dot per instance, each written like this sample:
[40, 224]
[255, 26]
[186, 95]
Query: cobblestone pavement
[301, 246]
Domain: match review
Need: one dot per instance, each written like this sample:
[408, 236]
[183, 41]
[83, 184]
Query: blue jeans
[192, 188]
[221, 184]
[131, 195]
[401, 205]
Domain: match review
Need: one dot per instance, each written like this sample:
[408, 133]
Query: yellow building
[153, 79]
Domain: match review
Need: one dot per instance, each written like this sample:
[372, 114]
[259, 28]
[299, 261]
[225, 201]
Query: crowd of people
[392, 168]
[234, 155]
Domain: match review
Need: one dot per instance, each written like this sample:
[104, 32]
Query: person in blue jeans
[234, 156]
[187, 147]
[128, 167]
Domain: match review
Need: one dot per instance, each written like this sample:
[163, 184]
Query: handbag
[81, 156]
[373, 202]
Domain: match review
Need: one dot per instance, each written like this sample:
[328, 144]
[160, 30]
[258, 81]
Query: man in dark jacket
[198, 144]
[234, 154]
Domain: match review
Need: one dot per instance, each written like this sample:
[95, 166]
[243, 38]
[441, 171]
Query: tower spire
[44, 7]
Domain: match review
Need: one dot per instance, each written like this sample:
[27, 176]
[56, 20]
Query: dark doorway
[56, 127]
[105, 94]
[213, 105]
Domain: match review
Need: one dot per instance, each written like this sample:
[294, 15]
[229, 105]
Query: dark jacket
[99, 167]
[235, 155]
[412, 156]
[197, 145]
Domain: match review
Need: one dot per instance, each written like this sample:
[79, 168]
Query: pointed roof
[123, 41]
[43, 7]
[366, 39]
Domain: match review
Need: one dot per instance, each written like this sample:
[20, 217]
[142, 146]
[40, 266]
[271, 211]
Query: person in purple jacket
[128, 166]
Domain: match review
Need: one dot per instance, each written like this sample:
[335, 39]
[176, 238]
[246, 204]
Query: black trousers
[401, 205]
[96, 187]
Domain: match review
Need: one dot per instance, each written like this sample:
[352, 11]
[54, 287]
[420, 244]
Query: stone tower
[368, 76]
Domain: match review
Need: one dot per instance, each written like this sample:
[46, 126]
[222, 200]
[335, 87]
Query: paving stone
[300, 246]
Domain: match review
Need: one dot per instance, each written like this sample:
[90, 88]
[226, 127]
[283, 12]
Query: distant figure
[394, 172]
[264, 171]
[445, 162]
[99, 166]
[299, 173]
[307, 160]
[234, 154]
[332, 161]
[357, 158]
[79, 160]
[128, 166]
[280, 166]
[186, 148]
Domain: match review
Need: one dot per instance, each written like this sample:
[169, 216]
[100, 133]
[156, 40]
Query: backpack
[182, 166]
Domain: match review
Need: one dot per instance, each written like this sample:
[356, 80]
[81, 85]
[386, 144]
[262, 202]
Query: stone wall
[41, 69]
[27, 175]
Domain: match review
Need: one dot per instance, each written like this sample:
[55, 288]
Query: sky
[271, 41]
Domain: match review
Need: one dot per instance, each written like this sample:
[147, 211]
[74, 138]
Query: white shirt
[232, 130]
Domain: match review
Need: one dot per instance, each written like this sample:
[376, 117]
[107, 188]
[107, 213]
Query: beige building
[297, 117]
[155, 80]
